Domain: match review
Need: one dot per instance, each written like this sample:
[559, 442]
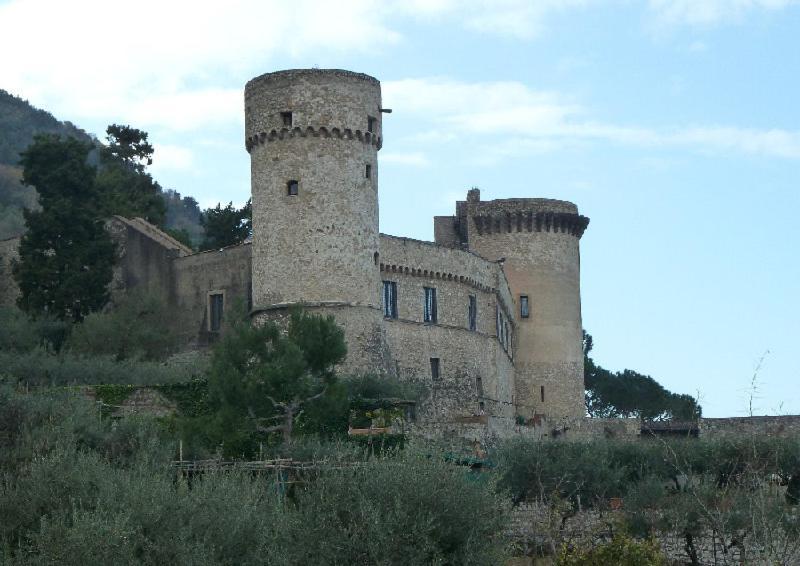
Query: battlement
[311, 131]
[327, 103]
[530, 221]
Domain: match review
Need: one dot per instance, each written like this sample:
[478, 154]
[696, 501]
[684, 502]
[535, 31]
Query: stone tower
[537, 241]
[313, 137]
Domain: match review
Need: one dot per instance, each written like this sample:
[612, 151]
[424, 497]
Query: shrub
[621, 551]
[138, 326]
[412, 509]
[38, 368]
[20, 333]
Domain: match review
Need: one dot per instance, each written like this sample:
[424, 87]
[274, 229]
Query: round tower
[313, 137]
[537, 241]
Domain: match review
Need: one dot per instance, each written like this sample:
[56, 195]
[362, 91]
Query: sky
[673, 124]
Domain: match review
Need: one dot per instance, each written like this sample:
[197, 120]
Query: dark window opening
[292, 188]
[371, 124]
[435, 368]
[430, 314]
[215, 306]
[375, 257]
[541, 392]
[473, 312]
[524, 309]
[287, 118]
[390, 299]
[481, 407]
[368, 171]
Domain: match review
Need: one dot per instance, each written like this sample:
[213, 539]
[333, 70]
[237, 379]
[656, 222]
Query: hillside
[19, 123]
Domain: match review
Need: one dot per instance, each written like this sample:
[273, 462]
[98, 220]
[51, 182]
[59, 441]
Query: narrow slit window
[541, 392]
[371, 121]
[390, 299]
[215, 308]
[479, 386]
[286, 118]
[473, 312]
[368, 171]
[524, 308]
[435, 368]
[292, 188]
[430, 314]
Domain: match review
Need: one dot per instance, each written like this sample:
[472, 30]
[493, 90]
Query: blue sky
[673, 124]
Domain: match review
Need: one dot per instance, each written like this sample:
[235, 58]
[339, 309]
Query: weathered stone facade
[313, 137]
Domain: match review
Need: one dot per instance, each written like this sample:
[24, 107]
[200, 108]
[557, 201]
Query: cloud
[167, 63]
[172, 157]
[414, 159]
[706, 13]
[521, 19]
[510, 119]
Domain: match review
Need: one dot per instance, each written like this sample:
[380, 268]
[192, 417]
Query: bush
[40, 368]
[138, 326]
[621, 551]
[19, 333]
[412, 509]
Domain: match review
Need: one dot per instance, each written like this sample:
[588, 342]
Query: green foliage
[262, 379]
[182, 235]
[20, 333]
[139, 326]
[42, 368]
[126, 187]
[226, 226]
[20, 122]
[368, 515]
[66, 256]
[631, 394]
[78, 489]
[183, 217]
[621, 551]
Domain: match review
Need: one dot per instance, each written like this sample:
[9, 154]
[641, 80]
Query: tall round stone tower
[313, 136]
[537, 241]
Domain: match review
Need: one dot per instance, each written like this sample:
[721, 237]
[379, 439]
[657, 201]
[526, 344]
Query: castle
[488, 315]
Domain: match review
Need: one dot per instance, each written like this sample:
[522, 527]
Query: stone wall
[761, 426]
[9, 251]
[144, 261]
[226, 271]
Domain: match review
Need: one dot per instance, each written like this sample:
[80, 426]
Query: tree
[631, 394]
[261, 377]
[226, 226]
[127, 188]
[66, 257]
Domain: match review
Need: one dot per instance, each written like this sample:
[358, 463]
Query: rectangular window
[473, 313]
[435, 368]
[430, 314]
[286, 118]
[524, 310]
[541, 392]
[370, 124]
[479, 386]
[292, 188]
[368, 171]
[215, 307]
[390, 299]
